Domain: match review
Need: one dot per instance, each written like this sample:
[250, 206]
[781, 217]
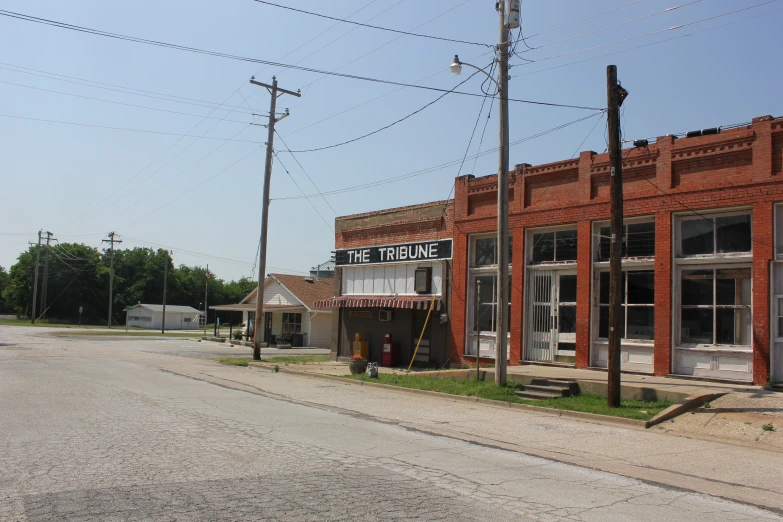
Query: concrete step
[538, 395]
[559, 391]
[571, 386]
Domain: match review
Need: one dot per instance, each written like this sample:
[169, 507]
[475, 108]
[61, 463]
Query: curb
[578, 415]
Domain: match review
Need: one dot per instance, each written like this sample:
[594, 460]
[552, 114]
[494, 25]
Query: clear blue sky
[199, 195]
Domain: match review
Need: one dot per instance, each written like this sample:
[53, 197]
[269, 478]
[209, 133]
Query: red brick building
[703, 279]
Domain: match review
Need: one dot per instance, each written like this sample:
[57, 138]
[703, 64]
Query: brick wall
[736, 168]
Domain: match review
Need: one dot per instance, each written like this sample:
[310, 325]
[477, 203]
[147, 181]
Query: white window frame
[530, 232]
[284, 323]
[711, 215]
[597, 225]
[473, 272]
[636, 267]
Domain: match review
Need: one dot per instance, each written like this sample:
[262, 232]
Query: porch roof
[412, 302]
[251, 307]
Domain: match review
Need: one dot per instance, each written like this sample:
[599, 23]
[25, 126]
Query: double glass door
[551, 315]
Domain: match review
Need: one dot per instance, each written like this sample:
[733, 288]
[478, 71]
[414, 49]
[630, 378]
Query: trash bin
[297, 340]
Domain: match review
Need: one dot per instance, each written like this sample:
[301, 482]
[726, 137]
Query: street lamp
[501, 83]
[456, 69]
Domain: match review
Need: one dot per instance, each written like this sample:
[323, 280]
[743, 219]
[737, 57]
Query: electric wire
[198, 254]
[619, 24]
[392, 124]
[303, 193]
[147, 131]
[117, 88]
[107, 34]
[435, 168]
[673, 28]
[122, 103]
[586, 18]
[170, 180]
[193, 188]
[644, 45]
[447, 11]
[406, 33]
[288, 150]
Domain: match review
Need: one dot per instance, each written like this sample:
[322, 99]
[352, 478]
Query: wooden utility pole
[206, 295]
[111, 270]
[45, 274]
[501, 351]
[165, 283]
[615, 95]
[35, 284]
[273, 90]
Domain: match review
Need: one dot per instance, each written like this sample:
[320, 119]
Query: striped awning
[414, 302]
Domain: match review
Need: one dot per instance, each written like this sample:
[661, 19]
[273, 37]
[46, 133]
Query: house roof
[304, 288]
[169, 308]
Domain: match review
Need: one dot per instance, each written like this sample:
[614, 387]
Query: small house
[151, 316]
[289, 314]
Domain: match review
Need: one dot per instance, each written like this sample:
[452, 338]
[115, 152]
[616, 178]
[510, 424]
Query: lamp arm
[485, 73]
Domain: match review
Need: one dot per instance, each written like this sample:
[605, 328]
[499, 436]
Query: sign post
[81, 309]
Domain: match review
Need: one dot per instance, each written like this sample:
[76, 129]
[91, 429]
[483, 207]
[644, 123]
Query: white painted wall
[141, 318]
[320, 330]
[276, 294]
[388, 279]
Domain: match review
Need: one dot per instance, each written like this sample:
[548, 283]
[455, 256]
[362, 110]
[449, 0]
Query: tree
[76, 278]
[4, 279]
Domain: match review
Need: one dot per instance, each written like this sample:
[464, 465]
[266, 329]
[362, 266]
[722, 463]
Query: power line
[305, 172]
[645, 45]
[124, 129]
[392, 124]
[198, 254]
[673, 28]
[303, 193]
[437, 167]
[122, 103]
[118, 88]
[667, 10]
[176, 176]
[449, 10]
[138, 173]
[217, 54]
[194, 188]
[407, 33]
[585, 18]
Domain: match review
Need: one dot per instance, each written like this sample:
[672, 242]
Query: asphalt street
[146, 429]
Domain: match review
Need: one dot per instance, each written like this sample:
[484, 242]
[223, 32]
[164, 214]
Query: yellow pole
[427, 320]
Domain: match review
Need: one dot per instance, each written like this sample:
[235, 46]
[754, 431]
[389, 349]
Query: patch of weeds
[749, 423]
[640, 410]
[707, 405]
[768, 427]
[296, 359]
[276, 368]
[235, 361]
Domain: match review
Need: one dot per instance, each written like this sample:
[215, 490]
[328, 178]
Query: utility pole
[273, 90]
[206, 294]
[35, 284]
[615, 95]
[165, 281]
[111, 270]
[509, 19]
[46, 274]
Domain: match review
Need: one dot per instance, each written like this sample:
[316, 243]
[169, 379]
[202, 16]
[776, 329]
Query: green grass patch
[44, 323]
[296, 359]
[235, 361]
[282, 359]
[130, 333]
[639, 410]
